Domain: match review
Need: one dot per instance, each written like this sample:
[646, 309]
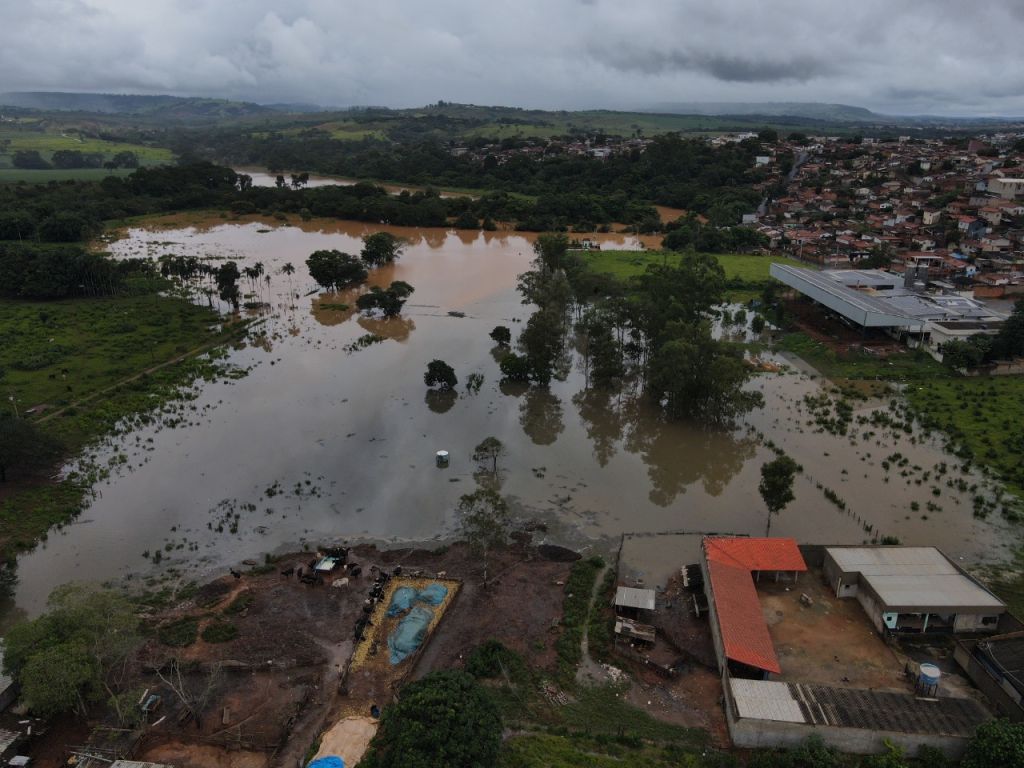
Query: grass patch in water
[982, 417]
[77, 358]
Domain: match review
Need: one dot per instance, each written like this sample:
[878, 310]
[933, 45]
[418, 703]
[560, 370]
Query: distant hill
[807, 109]
[166, 107]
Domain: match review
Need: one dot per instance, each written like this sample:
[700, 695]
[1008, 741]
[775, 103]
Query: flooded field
[261, 177]
[326, 440]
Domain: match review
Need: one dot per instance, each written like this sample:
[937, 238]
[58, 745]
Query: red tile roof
[755, 554]
[740, 618]
[744, 632]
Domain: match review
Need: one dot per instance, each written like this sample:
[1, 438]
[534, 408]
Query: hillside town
[953, 206]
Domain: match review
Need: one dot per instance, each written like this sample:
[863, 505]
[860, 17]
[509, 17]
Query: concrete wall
[873, 610]
[716, 636]
[766, 734]
[841, 587]
[761, 734]
[974, 622]
[1004, 700]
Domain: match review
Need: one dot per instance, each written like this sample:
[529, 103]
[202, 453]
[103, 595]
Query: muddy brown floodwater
[261, 177]
[320, 442]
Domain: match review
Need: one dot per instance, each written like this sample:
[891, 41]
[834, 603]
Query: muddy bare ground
[279, 685]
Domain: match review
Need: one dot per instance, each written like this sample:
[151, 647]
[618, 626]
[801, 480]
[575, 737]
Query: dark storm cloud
[735, 69]
[915, 55]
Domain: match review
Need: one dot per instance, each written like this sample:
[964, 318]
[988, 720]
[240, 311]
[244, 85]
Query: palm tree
[289, 270]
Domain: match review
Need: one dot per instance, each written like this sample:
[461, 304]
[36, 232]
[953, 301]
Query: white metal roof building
[878, 299]
[911, 589]
[859, 307]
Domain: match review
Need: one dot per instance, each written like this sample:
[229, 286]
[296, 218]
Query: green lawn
[624, 264]
[13, 139]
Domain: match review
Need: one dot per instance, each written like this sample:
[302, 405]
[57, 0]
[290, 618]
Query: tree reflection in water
[540, 416]
[395, 328]
[676, 454]
[441, 400]
[602, 418]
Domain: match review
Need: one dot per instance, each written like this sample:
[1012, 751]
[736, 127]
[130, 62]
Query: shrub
[220, 632]
[179, 633]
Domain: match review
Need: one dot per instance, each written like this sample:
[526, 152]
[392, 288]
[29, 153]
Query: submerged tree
[388, 300]
[440, 374]
[227, 283]
[484, 523]
[694, 376]
[335, 270]
[501, 335]
[514, 367]
[489, 451]
[24, 447]
[381, 248]
[776, 485]
[551, 249]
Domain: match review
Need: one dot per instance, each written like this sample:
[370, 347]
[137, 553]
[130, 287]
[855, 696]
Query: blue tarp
[327, 762]
[402, 600]
[404, 597]
[433, 594]
[409, 634]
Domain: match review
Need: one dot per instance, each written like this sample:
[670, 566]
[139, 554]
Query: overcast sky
[895, 56]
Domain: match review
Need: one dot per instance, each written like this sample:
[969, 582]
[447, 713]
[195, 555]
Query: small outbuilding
[912, 590]
[633, 602]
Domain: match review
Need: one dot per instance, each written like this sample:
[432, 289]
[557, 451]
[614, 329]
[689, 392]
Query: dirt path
[589, 671]
[202, 348]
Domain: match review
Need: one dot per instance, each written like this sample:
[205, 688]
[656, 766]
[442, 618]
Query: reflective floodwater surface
[324, 439]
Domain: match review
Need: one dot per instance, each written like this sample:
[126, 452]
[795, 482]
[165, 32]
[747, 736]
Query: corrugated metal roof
[765, 700]
[908, 578]
[859, 307]
[630, 597]
[883, 560]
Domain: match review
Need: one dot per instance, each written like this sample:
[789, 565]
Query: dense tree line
[44, 271]
[673, 171]
[654, 330]
[981, 349]
[73, 211]
[689, 233]
[65, 159]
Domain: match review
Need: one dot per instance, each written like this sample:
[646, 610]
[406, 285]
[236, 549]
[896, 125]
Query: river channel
[324, 441]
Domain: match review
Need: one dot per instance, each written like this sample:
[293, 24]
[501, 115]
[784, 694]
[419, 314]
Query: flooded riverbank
[325, 440]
